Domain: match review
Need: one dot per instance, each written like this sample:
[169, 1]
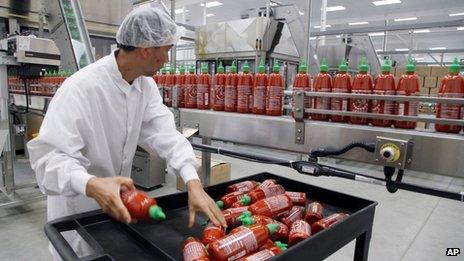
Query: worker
[88, 138]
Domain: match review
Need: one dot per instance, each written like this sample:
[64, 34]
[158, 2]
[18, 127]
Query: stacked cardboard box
[220, 172]
[429, 78]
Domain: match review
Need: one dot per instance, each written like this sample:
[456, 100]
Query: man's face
[154, 58]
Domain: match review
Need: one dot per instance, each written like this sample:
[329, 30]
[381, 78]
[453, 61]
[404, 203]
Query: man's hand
[106, 191]
[200, 201]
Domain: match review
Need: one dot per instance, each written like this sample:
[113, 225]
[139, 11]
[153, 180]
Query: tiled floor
[407, 226]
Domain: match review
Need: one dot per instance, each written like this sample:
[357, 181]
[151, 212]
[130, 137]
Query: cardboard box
[430, 82]
[421, 81]
[423, 70]
[434, 91]
[220, 172]
[400, 71]
[33, 125]
[439, 71]
[424, 91]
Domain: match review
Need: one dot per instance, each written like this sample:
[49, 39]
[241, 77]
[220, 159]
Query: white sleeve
[159, 133]
[55, 155]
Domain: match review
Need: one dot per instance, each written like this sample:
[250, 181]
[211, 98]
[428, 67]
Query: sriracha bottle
[217, 95]
[266, 253]
[384, 85]
[194, 250]
[275, 92]
[190, 93]
[245, 90]
[362, 84]
[296, 213]
[212, 232]
[282, 229]
[272, 207]
[298, 198]
[452, 86]
[302, 82]
[322, 83]
[230, 89]
[229, 199]
[299, 231]
[327, 222]
[203, 88]
[341, 84]
[247, 186]
[180, 83]
[231, 215]
[170, 81]
[266, 192]
[241, 242]
[140, 205]
[408, 85]
[259, 90]
[313, 212]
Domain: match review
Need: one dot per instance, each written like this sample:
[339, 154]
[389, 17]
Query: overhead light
[376, 34]
[421, 31]
[402, 49]
[437, 48]
[338, 36]
[209, 15]
[326, 26]
[335, 8]
[212, 4]
[386, 2]
[419, 58]
[301, 13]
[378, 50]
[312, 38]
[180, 11]
[358, 23]
[460, 28]
[405, 19]
[456, 14]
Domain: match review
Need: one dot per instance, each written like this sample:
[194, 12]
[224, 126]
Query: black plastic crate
[112, 240]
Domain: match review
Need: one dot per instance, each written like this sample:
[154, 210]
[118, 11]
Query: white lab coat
[92, 128]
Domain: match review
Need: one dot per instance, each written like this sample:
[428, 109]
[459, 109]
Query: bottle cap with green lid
[246, 200]
[246, 67]
[455, 67]
[244, 214]
[272, 228]
[324, 67]
[181, 69]
[204, 223]
[233, 68]
[410, 66]
[247, 221]
[204, 68]
[261, 67]
[363, 65]
[281, 245]
[163, 70]
[220, 68]
[172, 70]
[343, 67]
[192, 68]
[386, 65]
[220, 204]
[276, 66]
[303, 67]
[168, 69]
[155, 212]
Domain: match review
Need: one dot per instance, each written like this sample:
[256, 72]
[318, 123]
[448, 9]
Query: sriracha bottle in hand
[140, 205]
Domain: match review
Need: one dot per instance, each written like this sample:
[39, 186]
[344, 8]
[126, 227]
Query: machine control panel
[393, 152]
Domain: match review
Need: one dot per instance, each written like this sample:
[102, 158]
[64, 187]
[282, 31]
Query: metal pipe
[323, 19]
[387, 116]
[173, 49]
[268, 8]
[384, 44]
[204, 14]
[410, 43]
[307, 32]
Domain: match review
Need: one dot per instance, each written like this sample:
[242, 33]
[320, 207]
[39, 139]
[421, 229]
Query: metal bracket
[298, 113]
[175, 105]
[400, 151]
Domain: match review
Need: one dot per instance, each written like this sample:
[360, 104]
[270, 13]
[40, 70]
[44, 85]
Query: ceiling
[355, 11]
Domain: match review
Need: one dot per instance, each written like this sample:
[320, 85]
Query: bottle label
[202, 94]
[218, 94]
[322, 103]
[259, 97]
[276, 203]
[295, 214]
[314, 208]
[306, 100]
[294, 196]
[237, 210]
[243, 242]
[360, 105]
[191, 92]
[339, 104]
[275, 97]
[301, 226]
[450, 111]
[244, 96]
[230, 97]
[262, 255]
[271, 191]
[167, 93]
[383, 107]
[193, 250]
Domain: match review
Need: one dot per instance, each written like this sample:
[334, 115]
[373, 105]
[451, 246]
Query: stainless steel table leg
[206, 162]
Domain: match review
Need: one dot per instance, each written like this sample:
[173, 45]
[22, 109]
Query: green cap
[46, 74]
[220, 204]
[324, 67]
[244, 214]
[386, 66]
[181, 69]
[163, 70]
[261, 67]
[233, 67]
[246, 200]
[303, 67]
[281, 245]
[343, 67]
[276, 66]
[220, 68]
[156, 213]
[192, 68]
[246, 67]
[168, 69]
[204, 223]
[172, 70]
[247, 221]
[363, 66]
[272, 228]
[455, 67]
[204, 68]
[410, 66]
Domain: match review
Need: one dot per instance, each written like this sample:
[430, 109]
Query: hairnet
[147, 27]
